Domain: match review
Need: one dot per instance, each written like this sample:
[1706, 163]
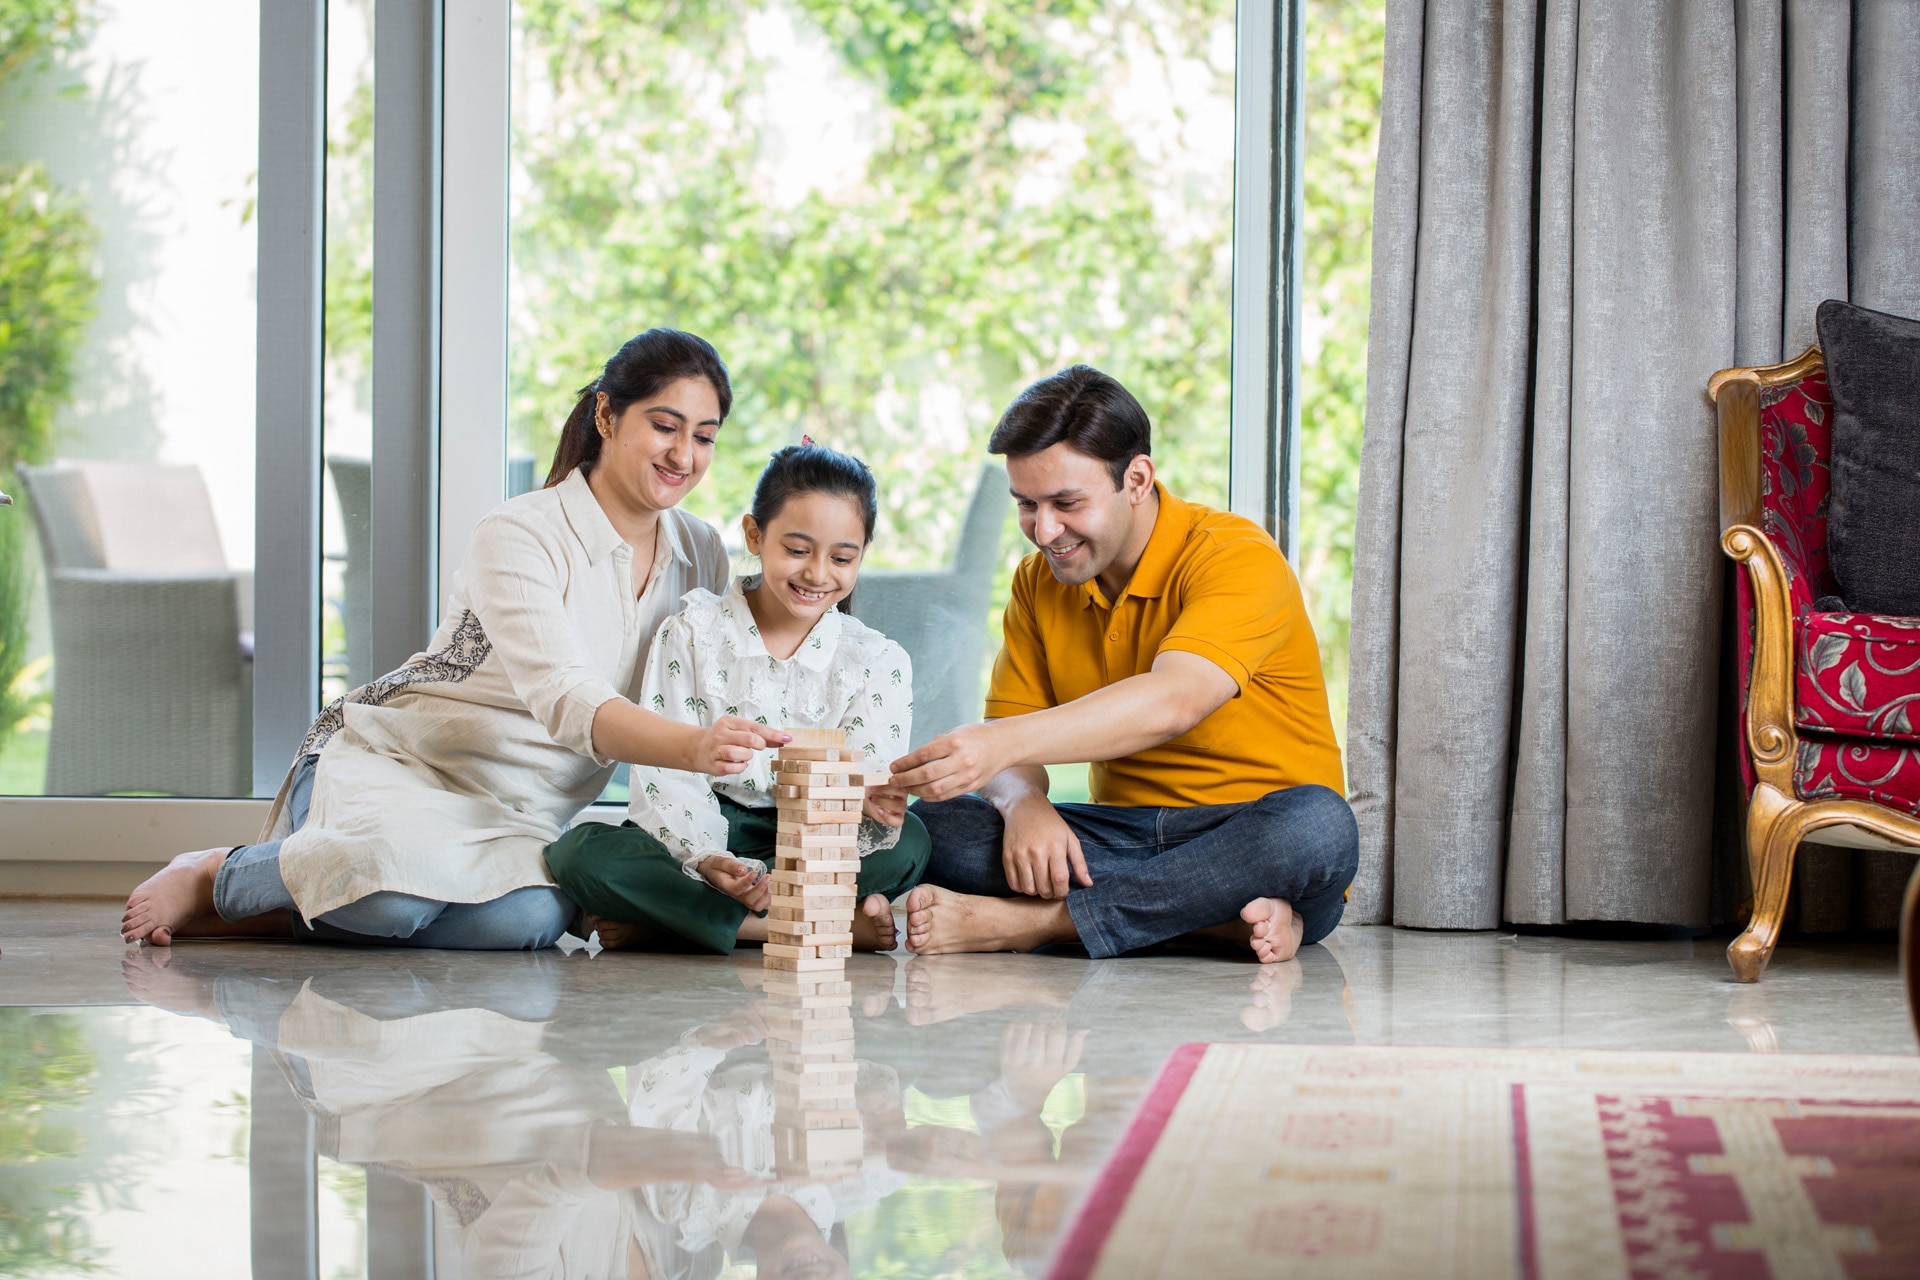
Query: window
[127, 256]
[888, 223]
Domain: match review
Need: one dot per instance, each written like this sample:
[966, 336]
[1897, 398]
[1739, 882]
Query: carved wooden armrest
[1770, 736]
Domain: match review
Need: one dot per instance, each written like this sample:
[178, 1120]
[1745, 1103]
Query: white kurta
[708, 661]
[448, 778]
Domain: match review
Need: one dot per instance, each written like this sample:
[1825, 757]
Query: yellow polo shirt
[1210, 583]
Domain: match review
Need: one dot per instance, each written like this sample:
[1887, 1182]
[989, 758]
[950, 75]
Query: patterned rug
[1275, 1160]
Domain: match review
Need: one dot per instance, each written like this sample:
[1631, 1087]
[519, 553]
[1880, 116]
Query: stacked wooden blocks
[819, 787]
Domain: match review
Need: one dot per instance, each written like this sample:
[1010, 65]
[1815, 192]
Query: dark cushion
[1873, 524]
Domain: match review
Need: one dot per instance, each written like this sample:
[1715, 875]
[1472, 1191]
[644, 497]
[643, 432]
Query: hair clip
[806, 439]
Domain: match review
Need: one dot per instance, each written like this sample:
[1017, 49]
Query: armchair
[1830, 700]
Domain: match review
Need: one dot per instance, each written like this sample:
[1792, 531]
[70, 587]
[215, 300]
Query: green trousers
[622, 873]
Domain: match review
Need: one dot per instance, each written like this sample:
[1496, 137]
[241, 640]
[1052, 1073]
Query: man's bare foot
[1276, 930]
[940, 921]
[179, 894]
[1267, 926]
[873, 928]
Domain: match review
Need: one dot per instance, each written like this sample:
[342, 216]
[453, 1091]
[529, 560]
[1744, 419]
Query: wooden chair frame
[1777, 819]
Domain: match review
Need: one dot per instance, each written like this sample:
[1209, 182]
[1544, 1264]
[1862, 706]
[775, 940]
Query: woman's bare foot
[940, 921]
[873, 928]
[178, 895]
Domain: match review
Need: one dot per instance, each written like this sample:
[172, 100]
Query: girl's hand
[727, 745]
[738, 881]
[886, 804]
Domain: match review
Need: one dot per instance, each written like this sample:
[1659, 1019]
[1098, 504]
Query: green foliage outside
[47, 290]
[1344, 46]
[1005, 225]
[45, 1064]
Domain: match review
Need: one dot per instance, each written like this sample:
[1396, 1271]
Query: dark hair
[1085, 409]
[641, 366]
[813, 468]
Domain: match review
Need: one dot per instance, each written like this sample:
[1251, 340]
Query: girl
[690, 863]
[418, 806]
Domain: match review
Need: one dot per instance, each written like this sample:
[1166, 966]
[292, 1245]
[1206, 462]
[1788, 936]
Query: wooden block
[834, 950]
[786, 987]
[792, 1093]
[820, 755]
[807, 877]
[784, 938]
[794, 909]
[810, 860]
[790, 791]
[808, 1044]
[791, 952]
[804, 738]
[814, 922]
[805, 964]
[846, 833]
[811, 764]
[823, 895]
[847, 877]
[832, 813]
[827, 837]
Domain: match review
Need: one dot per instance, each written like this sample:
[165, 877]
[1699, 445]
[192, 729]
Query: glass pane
[127, 395]
[346, 640]
[888, 221]
[1344, 47]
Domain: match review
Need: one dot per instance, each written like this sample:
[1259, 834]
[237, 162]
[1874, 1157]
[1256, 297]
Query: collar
[815, 652]
[1164, 547]
[596, 532]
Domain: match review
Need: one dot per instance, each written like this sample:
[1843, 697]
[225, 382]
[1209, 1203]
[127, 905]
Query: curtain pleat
[1581, 212]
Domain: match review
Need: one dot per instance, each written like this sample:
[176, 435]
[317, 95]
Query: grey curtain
[1581, 212]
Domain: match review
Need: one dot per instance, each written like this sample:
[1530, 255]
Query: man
[1168, 644]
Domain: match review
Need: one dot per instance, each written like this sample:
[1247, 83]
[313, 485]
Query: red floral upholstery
[1857, 691]
[1885, 773]
[1858, 674]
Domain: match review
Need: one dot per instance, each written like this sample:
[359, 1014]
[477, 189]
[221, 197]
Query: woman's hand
[727, 745]
[738, 881]
[886, 804]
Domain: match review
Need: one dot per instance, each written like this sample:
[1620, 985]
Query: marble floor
[235, 1109]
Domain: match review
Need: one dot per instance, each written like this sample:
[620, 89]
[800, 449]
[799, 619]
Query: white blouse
[708, 661]
[448, 778]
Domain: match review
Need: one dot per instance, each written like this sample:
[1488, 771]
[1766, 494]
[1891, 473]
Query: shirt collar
[815, 652]
[1164, 545]
[596, 532]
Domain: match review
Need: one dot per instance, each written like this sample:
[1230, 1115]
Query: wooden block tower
[818, 791]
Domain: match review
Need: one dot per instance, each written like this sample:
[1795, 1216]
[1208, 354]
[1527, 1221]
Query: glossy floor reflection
[272, 1110]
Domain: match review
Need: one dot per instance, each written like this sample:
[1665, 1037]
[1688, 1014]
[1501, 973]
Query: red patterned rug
[1538, 1164]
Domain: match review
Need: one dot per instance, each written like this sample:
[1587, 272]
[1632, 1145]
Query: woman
[418, 806]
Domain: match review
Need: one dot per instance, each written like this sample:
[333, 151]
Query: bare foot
[1267, 926]
[940, 921]
[873, 928]
[179, 893]
[616, 935]
[1276, 930]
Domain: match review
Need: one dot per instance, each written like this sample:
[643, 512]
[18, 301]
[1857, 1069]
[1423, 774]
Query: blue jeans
[249, 884]
[1161, 873]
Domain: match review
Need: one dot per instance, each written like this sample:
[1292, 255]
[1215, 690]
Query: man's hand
[1039, 849]
[954, 763]
[886, 804]
[738, 881]
[727, 745]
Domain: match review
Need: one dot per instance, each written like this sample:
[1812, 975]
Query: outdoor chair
[1829, 744]
[353, 485]
[940, 617]
[152, 633]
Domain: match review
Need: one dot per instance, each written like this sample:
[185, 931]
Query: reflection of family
[594, 623]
